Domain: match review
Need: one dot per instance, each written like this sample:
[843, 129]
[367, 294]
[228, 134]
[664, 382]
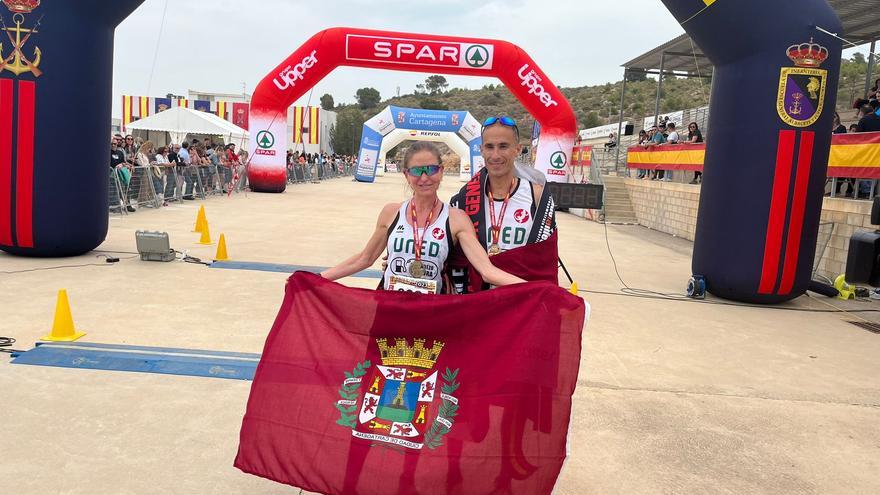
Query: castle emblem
[17, 62]
[801, 95]
[404, 401]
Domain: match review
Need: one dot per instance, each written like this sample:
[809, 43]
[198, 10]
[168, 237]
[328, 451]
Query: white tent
[180, 121]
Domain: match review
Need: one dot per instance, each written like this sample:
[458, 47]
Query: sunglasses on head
[428, 170]
[503, 120]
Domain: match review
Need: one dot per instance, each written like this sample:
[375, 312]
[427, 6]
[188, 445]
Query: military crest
[405, 401]
[801, 96]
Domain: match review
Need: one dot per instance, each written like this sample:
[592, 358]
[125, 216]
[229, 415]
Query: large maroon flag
[377, 392]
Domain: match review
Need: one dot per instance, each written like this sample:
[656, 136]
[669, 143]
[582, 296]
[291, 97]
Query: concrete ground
[673, 396]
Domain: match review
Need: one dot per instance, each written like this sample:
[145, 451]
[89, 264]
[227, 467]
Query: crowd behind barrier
[143, 176]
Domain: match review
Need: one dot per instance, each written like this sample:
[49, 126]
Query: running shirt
[436, 247]
[518, 219]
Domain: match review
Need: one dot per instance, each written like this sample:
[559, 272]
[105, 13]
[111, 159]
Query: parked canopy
[180, 121]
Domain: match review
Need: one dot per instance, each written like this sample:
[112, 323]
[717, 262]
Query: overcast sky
[225, 46]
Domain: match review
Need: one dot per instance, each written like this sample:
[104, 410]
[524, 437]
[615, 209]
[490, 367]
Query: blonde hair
[145, 147]
[419, 147]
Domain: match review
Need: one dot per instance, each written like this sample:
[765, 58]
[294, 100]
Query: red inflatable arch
[336, 47]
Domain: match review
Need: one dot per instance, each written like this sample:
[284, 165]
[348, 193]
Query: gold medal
[494, 249]
[417, 269]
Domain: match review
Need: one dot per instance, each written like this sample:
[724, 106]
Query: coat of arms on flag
[399, 402]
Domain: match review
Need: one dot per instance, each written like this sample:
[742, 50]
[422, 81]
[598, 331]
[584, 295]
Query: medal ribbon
[496, 224]
[418, 239]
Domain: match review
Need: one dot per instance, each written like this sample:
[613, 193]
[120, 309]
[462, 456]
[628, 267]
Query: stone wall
[672, 208]
[665, 206]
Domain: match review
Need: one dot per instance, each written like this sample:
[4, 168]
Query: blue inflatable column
[56, 69]
[773, 97]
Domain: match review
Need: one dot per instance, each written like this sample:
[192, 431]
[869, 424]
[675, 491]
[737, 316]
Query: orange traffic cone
[201, 220]
[221, 255]
[206, 235]
[62, 328]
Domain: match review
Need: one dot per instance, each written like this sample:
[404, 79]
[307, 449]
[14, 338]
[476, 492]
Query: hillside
[593, 105]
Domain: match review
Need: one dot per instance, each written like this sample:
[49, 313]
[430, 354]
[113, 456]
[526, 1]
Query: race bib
[408, 284]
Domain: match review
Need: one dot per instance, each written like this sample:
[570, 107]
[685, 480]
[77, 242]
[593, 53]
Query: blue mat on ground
[281, 268]
[169, 361]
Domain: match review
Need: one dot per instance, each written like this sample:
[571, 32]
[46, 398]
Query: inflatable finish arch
[454, 143]
[393, 125]
[331, 48]
[763, 184]
[55, 96]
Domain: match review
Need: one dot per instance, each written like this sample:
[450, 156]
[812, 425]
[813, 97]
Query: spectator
[870, 122]
[612, 142]
[122, 170]
[657, 139]
[163, 167]
[694, 137]
[853, 128]
[643, 141]
[185, 160]
[836, 126]
[672, 134]
[146, 192]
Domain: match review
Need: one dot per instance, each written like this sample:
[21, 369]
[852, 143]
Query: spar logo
[406, 51]
[438, 233]
[290, 75]
[532, 80]
[557, 163]
[476, 56]
[521, 216]
[265, 141]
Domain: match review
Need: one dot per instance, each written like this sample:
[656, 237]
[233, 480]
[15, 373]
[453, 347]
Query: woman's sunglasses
[428, 170]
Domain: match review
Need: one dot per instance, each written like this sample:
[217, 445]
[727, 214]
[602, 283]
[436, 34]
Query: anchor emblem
[796, 108]
[17, 62]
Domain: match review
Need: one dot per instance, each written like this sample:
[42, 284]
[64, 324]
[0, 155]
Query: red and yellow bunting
[126, 111]
[221, 109]
[298, 116]
[667, 157]
[144, 106]
[314, 134]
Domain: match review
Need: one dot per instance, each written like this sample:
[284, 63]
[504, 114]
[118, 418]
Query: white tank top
[436, 244]
[518, 219]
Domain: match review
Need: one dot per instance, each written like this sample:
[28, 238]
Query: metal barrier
[826, 230]
[114, 194]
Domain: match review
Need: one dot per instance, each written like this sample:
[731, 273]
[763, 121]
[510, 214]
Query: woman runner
[419, 234]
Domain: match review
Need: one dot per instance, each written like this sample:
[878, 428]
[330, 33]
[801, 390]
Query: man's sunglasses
[503, 120]
[428, 170]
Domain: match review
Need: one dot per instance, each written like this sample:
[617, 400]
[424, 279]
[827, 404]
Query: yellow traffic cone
[201, 220]
[221, 255]
[62, 328]
[206, 235]
[574, 288]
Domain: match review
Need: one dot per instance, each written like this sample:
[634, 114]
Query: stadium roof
[860, 19]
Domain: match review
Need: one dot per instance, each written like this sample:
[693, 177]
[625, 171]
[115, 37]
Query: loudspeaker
[862, 259]
[628, 130]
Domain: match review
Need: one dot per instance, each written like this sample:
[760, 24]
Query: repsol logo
[532, 80]
[429, 133]
[408, 246]
[290, 75]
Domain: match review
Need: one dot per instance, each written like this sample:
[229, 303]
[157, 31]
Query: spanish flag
[144, 106]
[298, 116]
[314, 130]
[221, 109]
[183, 102]
[127, 106]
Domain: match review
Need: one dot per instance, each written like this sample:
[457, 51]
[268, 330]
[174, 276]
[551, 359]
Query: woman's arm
[371, 251]
[463, 232]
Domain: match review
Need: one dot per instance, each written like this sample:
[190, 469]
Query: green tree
[592, 120]
[436, 84]
[327, 102]
[635, 75]
[432, 104]
[368, 98]
[345, 135]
